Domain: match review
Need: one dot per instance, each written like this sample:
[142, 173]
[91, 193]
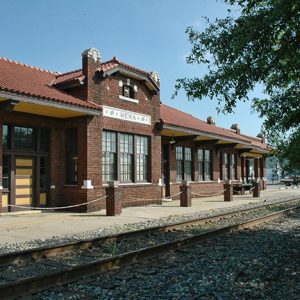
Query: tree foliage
[259, 46]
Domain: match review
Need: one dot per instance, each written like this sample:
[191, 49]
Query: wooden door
[24, 181]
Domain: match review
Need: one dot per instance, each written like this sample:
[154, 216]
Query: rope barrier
[169, 197]
[208, 195]
[58, 207]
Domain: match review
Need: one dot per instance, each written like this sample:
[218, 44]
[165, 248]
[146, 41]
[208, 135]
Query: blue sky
[52, 34]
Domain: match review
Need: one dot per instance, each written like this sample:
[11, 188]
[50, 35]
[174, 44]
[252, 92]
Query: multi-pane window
[201, 164]
[24, 137]
[205, 164]
[184, 163]
[226, 167]
[142, 153]
[109, 155]
[208, 165]
[128, 91]
[5, 172]
[234, 166]
[71, 156]
[5, 136]
[188, 163]
[126, 157]
[179, 163]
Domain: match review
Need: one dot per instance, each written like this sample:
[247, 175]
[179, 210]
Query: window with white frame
[125, 157]
[234, 166]
[109, 155]
[184, 163]
[142, 154]
[204, 164]
[226, 166]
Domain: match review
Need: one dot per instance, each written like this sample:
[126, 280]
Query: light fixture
[172, 141]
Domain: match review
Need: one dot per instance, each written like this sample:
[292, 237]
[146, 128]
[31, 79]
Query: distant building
[274, 170]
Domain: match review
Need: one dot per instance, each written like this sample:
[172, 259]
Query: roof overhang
[206, 138]
[151, 86]
[176, 131]
[45, 107]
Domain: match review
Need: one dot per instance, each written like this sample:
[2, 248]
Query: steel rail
[38, 283]
[40, 253]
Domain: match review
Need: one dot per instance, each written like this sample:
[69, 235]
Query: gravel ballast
[254, 264]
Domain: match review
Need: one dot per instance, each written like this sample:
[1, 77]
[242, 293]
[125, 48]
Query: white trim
[128, 99]
[133, 75]
[51, 103]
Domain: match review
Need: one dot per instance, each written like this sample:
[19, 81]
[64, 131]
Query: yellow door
[24, 181]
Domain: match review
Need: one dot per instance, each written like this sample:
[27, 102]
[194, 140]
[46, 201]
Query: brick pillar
[114, 199]
[228, 193]
[256, 191]
[186, 194]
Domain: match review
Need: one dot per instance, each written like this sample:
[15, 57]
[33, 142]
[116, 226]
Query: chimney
[91, 62]
[236, 127]
[261, 136]
[210, 120]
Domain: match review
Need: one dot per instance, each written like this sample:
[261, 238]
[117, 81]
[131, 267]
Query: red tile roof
[30, 81]
[172, 116]
[68, 77]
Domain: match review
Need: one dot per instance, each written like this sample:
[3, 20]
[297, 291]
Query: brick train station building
[66, 136]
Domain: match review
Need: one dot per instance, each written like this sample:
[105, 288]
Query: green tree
[261, 45]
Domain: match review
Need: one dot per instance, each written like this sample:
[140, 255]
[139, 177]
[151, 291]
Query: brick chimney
[261, 136]
[210, 120]
[91, 62]
[236, 127]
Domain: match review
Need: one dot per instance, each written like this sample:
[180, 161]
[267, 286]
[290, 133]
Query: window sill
[128, 99]
[130, 184]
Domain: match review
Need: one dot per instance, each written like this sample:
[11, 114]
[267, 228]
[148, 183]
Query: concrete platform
[22, 227]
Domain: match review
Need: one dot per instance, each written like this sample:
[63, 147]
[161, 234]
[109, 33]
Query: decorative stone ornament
[135, 88]
[93, 53]
[155, 76]
[121, 83]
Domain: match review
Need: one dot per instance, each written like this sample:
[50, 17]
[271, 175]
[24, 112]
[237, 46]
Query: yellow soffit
[252, 155]
[45, 110]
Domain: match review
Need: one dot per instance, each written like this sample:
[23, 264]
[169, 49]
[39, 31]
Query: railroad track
[34, 270]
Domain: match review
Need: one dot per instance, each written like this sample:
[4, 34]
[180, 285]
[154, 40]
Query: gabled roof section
[22, 79]
[177, 118]
[69, 79]
[115, 65]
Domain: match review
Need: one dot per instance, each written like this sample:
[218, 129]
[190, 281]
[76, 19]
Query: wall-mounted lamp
[172, 141]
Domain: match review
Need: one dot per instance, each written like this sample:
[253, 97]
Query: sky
[150, 35]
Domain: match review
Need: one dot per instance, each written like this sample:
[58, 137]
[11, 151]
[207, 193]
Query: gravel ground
[11, 247]
[255, 264]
